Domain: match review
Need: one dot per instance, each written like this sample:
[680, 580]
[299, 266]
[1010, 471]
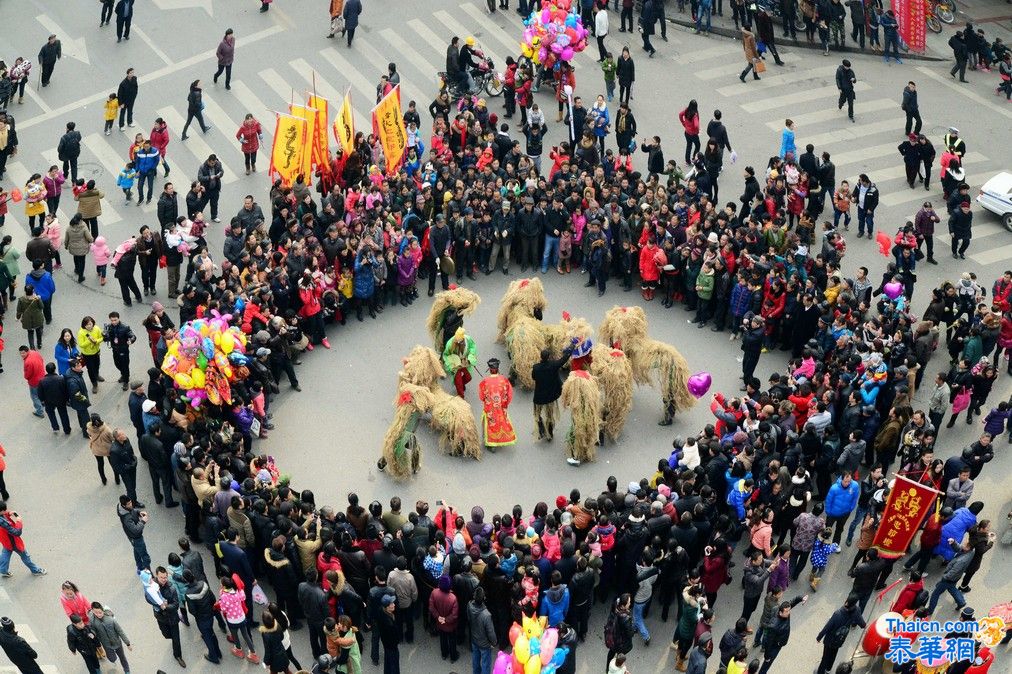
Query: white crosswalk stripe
[277, 83]
[804, 96]
[428, 37]
[409, 92]
[770, 80]
[847, 132]
[196, 146]
[723, 71]
[717, 54]
[219, 119]
[860, 155]
[830, 114]
[991, 255]
[252, 104]
[111, 162]
[364, 94]
[426, 72]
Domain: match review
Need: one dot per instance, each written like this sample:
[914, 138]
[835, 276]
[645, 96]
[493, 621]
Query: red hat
[912, 136]
[561, 501]
[965, 203]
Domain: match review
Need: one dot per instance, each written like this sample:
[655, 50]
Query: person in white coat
[600, 30]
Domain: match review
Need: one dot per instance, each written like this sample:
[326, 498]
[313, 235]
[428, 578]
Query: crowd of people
[787, 471]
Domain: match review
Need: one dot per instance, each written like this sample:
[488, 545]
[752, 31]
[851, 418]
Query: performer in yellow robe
[496, 393]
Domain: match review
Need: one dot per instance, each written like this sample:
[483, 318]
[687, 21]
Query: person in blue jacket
[146, 161]
[45, 287]
[956, 528]
[739, 495]
[556, 601]
[840, 503]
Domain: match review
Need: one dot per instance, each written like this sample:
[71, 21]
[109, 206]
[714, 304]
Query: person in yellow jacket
[89, 343]
[111, 109]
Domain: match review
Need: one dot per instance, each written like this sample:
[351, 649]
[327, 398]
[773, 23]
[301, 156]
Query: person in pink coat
[52, 229]
[100, 251]
[73, 601]
[650, 271]
[160, 141]
[249, 135]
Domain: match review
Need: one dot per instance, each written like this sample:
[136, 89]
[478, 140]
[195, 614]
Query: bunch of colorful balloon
[534, 649]
[205, 358]
[553, 33]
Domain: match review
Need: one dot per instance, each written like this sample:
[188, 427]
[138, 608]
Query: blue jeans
[858, 518]
[892, 40]
[946, 586]
[481, 660]
[206, 627]
[703, 11]
[865, 219]
[5, 560]
[149, 178]
[638, 623]
[841, 214]
[141, 557]
[33, 392]
[551, 253]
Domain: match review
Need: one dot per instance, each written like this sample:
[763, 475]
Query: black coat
[127, 92]
[19, 652]
[547, 383]
[625, 71]
[53, 390]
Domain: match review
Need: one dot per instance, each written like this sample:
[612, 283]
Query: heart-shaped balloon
[699, 384]
[893, 289]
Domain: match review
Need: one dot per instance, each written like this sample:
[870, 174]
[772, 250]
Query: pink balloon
[567, 54]
[699, 384]
[546, 15]
[893, 289]
[503, 663]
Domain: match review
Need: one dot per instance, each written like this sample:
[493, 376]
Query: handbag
[259, 596]
[254, 428]
[760, 66]
[100, 652]
[961, 401]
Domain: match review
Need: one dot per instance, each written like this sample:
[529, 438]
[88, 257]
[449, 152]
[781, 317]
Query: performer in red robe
[496, 393]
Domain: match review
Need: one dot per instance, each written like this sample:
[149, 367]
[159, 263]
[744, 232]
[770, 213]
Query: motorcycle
[945, 10]
[934, 25]
[485, 78]
[774, 9]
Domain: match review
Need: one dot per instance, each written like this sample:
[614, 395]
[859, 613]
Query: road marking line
[284, 90]
[965, 91]
[848, 132]
[791, 77]
[194, 144]
[423, 32]
[694, 55]
[144, 79]
[154, 47]
[351, 75]
[806, 119]
[805, 96]
[252, 104]
[324, 89]
[725, 70]
[859, 155]
[223, 123]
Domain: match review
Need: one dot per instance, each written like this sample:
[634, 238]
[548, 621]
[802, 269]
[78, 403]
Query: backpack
[610, 627]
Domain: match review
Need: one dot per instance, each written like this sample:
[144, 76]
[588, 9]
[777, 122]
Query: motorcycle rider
[467, 62]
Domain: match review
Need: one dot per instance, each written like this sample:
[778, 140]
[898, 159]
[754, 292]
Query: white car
[996, 196]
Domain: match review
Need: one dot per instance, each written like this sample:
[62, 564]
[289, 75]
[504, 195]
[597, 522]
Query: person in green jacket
[693, 602]
[608, 66]
[9, 259]
[704, 291]
[459, 356]
[973, 348]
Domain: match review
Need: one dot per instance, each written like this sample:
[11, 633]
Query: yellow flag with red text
[344, 126]
[389, 125]
[289, 147]
[309, 115]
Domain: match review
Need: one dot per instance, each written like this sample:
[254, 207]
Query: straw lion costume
[419, 393]
[447, 314]
[582, 397]
[654, 363]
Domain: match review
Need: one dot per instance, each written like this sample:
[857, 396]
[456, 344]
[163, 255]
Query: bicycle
[934, 25]
[945, 10]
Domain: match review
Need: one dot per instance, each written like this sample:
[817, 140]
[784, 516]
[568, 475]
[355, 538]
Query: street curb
[782, 42]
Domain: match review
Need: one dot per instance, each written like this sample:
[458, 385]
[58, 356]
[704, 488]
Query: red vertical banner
[905, 509]
[912, 23]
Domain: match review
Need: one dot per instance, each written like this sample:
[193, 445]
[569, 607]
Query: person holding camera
[133, 522]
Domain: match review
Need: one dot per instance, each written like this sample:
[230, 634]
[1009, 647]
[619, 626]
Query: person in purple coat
[407, 274]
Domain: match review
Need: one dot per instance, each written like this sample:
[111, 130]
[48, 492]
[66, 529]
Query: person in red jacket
[774, 300]
[11, 528]
[34, 371]
[160, 141]
[650, 271]
[908, 595]
[310, 292]
[1002, 292]
[249, 135]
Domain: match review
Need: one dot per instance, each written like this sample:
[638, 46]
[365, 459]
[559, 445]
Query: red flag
[912, 22]
[905, 509]
[885, 244]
